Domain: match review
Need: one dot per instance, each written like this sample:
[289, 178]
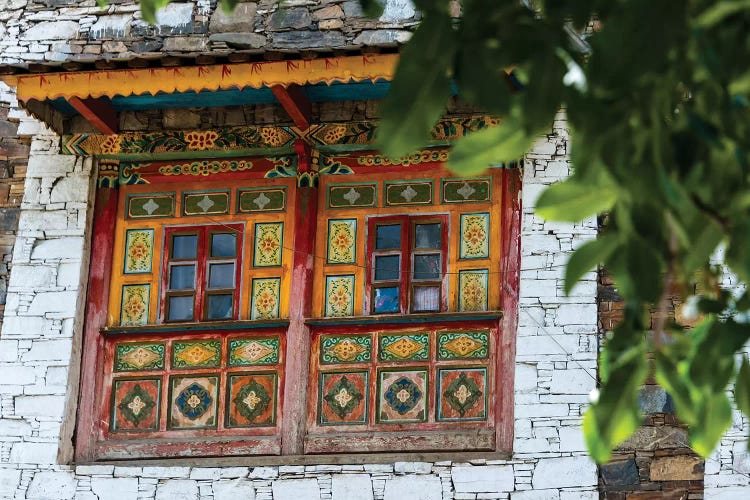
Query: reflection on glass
[220, 306]
[184, 246]
[386, 300]
[426, 298]
[221, 276]
[427, 267]
[223, 245]
[180, 308]
[182, 277]
[427, 235]
[387, 267]
[388, 237]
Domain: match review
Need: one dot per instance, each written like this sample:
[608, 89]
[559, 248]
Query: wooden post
[300, 306]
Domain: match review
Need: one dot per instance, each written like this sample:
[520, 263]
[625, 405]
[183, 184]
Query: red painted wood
[511, 275]
[98, 112]
[409, 441]
[295, 103]
[188, 447]
[295, 391]
[100, 269]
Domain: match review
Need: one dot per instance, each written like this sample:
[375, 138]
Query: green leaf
[420, 89]
[719, 11]
[572, 201]
[229, 5]
[742, 388]
[372, 8]
[714, 418]
[587, 257]
[476, 152]
[149, 8]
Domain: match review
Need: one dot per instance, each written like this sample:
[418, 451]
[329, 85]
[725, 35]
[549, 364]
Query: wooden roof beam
[98, 112]
[296, 104]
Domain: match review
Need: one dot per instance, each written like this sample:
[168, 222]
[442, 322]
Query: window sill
[444, 317]
[196, 327]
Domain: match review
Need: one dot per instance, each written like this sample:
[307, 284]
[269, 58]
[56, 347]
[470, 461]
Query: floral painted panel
[339, 296]
[345, 349]
[472, 290]
[251, 400]
[196, 354]
[254, 351]
[135, 405]
[211, 203]
[405, 347]
[342, 241]
[193, 402]
[463, 345]
[475, 232]
[402, 396]
[462, 394]
[133, 356]
[139, 249]
[269, 239]
[265, 298]
[134, 307]
[342, 398]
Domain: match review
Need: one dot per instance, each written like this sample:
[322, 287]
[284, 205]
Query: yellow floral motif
[463, 346]
[404, 347]
[346, 350]
[268, 244]
[265, 298]
[111, 144]
[473, 291]
[474, 237]
[341, 241]
[340, 299]
[134, 305]
[196, 355]
[274, 137]
[199, 141]
[334, 133]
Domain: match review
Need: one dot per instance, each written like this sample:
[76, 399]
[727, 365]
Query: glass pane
[386, 300]
[182, 277]
[427, 267]
[185, 246]
[223, 245]
[387, 267]
[388, 237]
[426, 298]
[181, 308]
[220, 306]
[221, 276]
[427, 236]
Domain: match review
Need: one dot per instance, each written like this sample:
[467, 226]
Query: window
[407, 259]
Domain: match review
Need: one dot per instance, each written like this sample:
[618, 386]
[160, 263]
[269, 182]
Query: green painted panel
[352, 195]
[261, 200]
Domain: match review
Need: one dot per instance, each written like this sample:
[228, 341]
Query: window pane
[427, 267]
[185, 246]
[388, 237]
[220, 306]
[221, 276]
[223, 245]
[387, 267]
[386, 300]
[181, 308]
[427, 236]
[182, 277]
[426, 298]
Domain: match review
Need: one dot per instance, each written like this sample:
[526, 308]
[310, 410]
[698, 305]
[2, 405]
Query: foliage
[657, 99]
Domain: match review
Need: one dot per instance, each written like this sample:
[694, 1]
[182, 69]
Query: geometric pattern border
[193, 401]
[402, 396]
[462, 394]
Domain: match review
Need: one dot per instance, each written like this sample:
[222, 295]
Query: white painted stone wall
[555, 370]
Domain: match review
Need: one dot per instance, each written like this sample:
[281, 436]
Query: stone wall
[555, 370]
[77, 31]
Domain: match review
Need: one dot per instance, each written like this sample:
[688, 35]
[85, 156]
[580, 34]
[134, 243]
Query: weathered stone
[73, 188]
[351, 487]
[10, 427]
[412, 467]
[564, 472]
[240, 40]
[329, 12]
[142, 46]
[551, 494]
[9, 219]
[286, 18]
[242, 18]
[382, 37]
[184, 44]
[397, 10]
[654, 399]
[483, 479]
[52, 486]
[233, 489]
[52, 30]
[572, 381]
[34, 453]
[654, 438]
[40, 406]
[181, 119]
[678, 468]
[7, 5]
[58, 248]
[352, 8]
[177, 489]
[620, 473]
[296, 489]
[9, 479]
[175, 19]
[111, 27]
[111, 488]
[330, 24]
[413, 488]
[741, 457]
[308, 39]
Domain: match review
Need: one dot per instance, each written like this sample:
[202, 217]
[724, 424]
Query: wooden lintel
[296, 104]
[98, 112]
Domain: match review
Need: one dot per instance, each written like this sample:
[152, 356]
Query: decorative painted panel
[402, 396]
[144, 206]
[266, 298]
[132, 356]
[462, 394]
[196, 354]
[135, 405]
[345, 348]
[415, 346]
[475, 231]
[205, 203]
[408, 193]
[463, 345]
[139, 249]
[261, 200]
[340, 295]
[254, 351]
[134, 306]
[472, 290]
[269, 239]
[251, 400]
[466, 190]
[342, 241]
[352, 195]
[343, 398]
[193, 402]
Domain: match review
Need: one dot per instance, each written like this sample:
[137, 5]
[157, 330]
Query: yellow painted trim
[199, 78]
